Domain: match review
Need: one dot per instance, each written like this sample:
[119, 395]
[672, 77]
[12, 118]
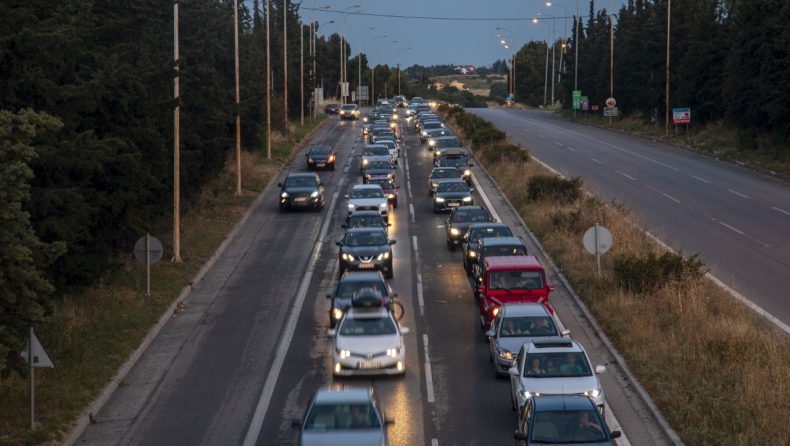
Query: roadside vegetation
[90, 334]
[718, 372]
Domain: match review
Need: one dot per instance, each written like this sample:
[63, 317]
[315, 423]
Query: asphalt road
[736, 219]
[250, 348]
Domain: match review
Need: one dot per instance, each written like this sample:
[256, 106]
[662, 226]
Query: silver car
[554, 366]
[368, 341]
[367, 197]
[515, 324]
[340, 416]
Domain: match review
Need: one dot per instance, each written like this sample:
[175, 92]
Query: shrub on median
[505, 152]
[554, 188]
[647, 273]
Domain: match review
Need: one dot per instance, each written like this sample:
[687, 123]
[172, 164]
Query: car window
[324, 417]
[568, 426]
[516, 280]
[553, 365]
[347, 289]
[385, 184]
[453, 162]
[532, 326]
[441, 143]
[349, 107]
[376, 151]
[469, 215]
[367, 327]
[508, 250]
[366, 193]
[452, 186]
[478, 233]
[365, 239]
[320, 150]
[446, 173]
[366, 221]
[301, 182]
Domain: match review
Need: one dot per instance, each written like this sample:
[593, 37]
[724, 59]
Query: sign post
[577, 101]
[35, 355]
[597, 240]
[148, 251]
[610, 109]
[585, 104]
[681, 116]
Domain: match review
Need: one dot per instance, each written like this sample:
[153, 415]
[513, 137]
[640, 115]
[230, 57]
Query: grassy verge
[90, 335]
[716, 371]
[715, 139]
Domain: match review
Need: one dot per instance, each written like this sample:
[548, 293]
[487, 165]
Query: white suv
[367, 197]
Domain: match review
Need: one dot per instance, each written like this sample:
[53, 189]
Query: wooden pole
[176, 150]
[238, 99]
[669, 3]
[268, 86]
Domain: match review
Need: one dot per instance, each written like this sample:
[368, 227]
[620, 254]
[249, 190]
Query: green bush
[486, 135]
[506, 152]
[584, 215]
[551, 187]
[645, 274]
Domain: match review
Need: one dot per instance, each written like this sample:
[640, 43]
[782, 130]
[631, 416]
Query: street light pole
[268, 86]
[385, 64]
[564, 35]
[666, 118]
[285, 62]
[343, 51]
[359, 65]
[315, 75]
[512, 62]
[402, 50]
[553, 26]
[238, 97]
[546, 80]
[373, 67]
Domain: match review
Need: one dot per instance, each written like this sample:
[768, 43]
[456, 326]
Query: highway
[737, 220]
[243, 357]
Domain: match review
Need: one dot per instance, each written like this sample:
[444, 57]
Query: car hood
[454, 196]
[300, 190]
[368, 344]
[365, 250]
[367, 201]
[361, 437]
[371, 158]
[323, 156]
[571, 385]
[513, 344]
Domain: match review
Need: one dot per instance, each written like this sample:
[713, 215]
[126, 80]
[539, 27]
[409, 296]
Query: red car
[389, 188]
[507, 279]
[332, 109]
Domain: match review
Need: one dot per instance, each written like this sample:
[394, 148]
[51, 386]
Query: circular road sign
[604, 240]
[155, 249]
[611, 102]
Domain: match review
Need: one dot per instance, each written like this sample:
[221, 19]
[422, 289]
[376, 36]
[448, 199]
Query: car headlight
[364, 119]
[351, 206]
[467, 173]
[495, 311]
[390, 195]
[424, 133]
[348, 257]
[394, 117]
[454, 231]
[504, 354]
[393, 352]
[314, 194]
[337, 313]
[527, 394]
[439, 200]
[364, 162]
[472, 253]
[431, 143]
[437, 153]
[434, 185]
[383, 205]
[384, 256]
[310, 160]
[284, 195]
[331, 158]
[593, 393]
[467, 199]
[342, 112]
[343, 353]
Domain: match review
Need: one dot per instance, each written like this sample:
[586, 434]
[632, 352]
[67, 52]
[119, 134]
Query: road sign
[594, 107]
[681, 116]
[611, 102]
[577, 100]
[148, 250]
[362, 94]
[585, 103]
[39, 357]
[597, 240]
[353, 96]
[610, 111]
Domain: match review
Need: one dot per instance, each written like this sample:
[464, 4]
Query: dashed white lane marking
[728, 226]
[282, 349]
[572, 150]
[408, 186]
[420, 295]
[780, 210]
[737, 193]
[671, 198]
[555, 142]
[596, 160]
[485, 198]
[542, 136]
[411, 211]
[341, 181]
[428, 376]
[625, 175]
[345, 169]
[434, 442]
[701, 179]
[408, 176]
[406, 163]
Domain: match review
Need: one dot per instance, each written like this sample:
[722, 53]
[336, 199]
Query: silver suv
[367, 197]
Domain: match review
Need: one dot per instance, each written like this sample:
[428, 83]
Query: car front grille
[368, 355]
[365, 258]
[367, 208]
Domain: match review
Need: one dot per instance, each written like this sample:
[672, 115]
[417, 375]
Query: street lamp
[576, 45]
[546, 81]
[359, 65]
[402, 50]
[373, 66]
[315, 76]
[385, 64]
[564, 35]
[553, 26]
[512, 62]
[343, 49]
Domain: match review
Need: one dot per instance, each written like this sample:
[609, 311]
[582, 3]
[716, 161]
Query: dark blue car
[562, 420]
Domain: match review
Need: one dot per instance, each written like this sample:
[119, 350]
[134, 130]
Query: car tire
[450, 245]
[390, 274]
[395, 205]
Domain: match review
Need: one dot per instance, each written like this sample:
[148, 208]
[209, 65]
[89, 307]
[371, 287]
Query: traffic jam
[555, 392]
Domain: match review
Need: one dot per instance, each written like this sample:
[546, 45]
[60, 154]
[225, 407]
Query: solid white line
[780, 210]
[701, 179]
[627, 176]
[671, 198]
[485, 199]
[420, 296]
[725, 224]
[411, 211]
[596, 160]
[738, 193]
[282, 349]
[428, 376]
[345, 169]
[414, 243]
[555, 142]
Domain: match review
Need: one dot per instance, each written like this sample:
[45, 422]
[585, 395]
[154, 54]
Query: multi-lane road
[737, 220]
[249, 348]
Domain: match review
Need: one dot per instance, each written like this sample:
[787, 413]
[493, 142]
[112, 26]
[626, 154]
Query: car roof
[361, 276]
[443, 168]
[494, 225]
[501, 241]
[302, 174]
[366, 186]
[330, 395]
[505, 262]
[524, 309]
[365, 229]
[554, 344]
[546, 403]
[446, 137]
[471, 208]
[365, 313]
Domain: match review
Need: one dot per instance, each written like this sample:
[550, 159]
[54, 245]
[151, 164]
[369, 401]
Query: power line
[460, 19]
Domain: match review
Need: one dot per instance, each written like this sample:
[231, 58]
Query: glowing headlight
[351, 206]
[437, 153]
[504, 354]
[454, 231]
[495, 311]
[467, 199]
[393, 352]
[348, 257]
[343, 353]
[434, 185]
[432, 142]
[314, 194]
[365, 119]
[424, 133]
[394, 117]
[364, 162]
[593, 393]
[337, 313]
[383, 205]
[390, 196]
[467, 173]
[384, 256]
[284, 195]
[310, 160]
[342, 112]
[331, 158]
[439, 200]
[393, 125]
[472, 253]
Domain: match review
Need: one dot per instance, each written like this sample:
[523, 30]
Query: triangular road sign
[40, 358]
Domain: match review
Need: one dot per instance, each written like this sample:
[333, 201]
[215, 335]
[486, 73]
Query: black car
[349, 284]
[319, 157]
[439, 174]
[378, 168]
[349, 111]
[367, 219]
[495, 246]
[459, 162]
[301, 191]
[472, 238]
[562, 419]
[451, 194]
[366, 249]
[332, 109]
[460, 220]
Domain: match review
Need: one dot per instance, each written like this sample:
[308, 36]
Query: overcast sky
[437, 40]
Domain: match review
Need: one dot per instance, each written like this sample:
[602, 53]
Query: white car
[367, 197]
[368, 341]
[554, 366]
[373, 152]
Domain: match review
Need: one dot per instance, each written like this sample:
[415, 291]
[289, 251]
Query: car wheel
[390, 273]
[450, 245]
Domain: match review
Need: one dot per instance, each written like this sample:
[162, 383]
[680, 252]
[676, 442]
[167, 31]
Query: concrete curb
[85, 419]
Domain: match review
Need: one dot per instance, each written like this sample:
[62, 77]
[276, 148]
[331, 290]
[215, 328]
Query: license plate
[452, 205]
[369, 365]
[300, 199]
[366, 265]
[321, 164]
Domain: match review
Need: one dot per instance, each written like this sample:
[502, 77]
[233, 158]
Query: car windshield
[376, 151]
[441, 143]
[446, 173]
[320, 150]
[568, 426]
[368, 192]
[385, 184]
[367, 326]
[347, 289]
[432, 125]
[532, 326]
[324, 417]
[438, 133]
[461, 215]
[379, 165]
[452, 186]
[349, 107]
[507, 250]
[365, 239]
[454, 161]
[516, 280]
[478, 233]
[553, 365]
[301, 181]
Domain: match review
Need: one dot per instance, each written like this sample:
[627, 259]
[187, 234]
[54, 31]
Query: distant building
[465, 69]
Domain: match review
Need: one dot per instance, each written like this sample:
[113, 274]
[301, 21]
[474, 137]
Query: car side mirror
[279, 184]
[397, 187]
[491, 333]
[296, 422]
[330, 333]
[346, 196]
[600, 369]
[550, 288]
[520, 436]
[392, 421]
[471, 165]
[511, 371]
[616, 434]
[481, 289]
[392, 242]
[344, 226]
[565, 332]
[339, 243]
[328, 296]
[471, 189]
[493, 220]
[404, 330]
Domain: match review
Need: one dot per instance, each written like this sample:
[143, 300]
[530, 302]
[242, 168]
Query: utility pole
[238, 98]
[669, 3]
[285, 62]
[176, 148]
[268, 86]
[611, 52]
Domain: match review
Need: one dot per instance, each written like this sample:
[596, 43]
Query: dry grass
[716, 371]
[91, 334]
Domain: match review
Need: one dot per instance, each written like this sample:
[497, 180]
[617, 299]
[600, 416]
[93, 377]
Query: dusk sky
[459, 32]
